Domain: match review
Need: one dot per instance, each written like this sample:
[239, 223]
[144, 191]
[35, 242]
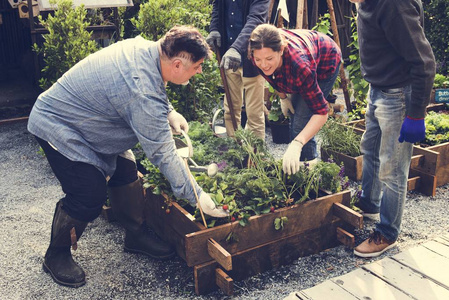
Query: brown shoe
[374, 246]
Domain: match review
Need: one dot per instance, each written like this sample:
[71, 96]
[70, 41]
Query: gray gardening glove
[231, 60]
[213, 37]
[209, 208]
[286, 105]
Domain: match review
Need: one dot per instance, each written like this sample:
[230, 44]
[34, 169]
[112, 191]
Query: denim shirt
[107, 103]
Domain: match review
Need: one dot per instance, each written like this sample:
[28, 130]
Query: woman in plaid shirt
[302, 66]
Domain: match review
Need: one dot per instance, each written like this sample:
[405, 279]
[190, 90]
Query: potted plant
[342, 143]
[440, 90]
[279, 124]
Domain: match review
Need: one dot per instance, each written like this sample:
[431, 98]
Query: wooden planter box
[420, 180]
[312, 227]
[353, 165]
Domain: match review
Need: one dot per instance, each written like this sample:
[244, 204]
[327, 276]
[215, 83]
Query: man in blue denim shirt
[398, 62]
[90, 118]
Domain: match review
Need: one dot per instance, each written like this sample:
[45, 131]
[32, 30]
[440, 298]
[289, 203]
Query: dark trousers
[85, 186]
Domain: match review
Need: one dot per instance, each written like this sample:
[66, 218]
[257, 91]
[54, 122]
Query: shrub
[67, 42]
[436, 26]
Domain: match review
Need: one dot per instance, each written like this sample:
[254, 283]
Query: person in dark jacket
[231, 25]
[398, 62]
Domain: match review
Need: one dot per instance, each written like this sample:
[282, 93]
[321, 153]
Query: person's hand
[213, 38]
[209, 208]
[412, 130]
[286, 105]
[231, 60]
[177, 122]
[290, 160]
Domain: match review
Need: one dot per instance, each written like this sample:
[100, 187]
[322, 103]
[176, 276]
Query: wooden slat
[427, 183]
[217, 252]
[427, 263]
[431, 159]
[345, 237]
[364, 285]
[348, 215]
[260, 230]
[413, 183]
[442, 240]
[268, 256]
[417, 161]
[406, 280]
[437, 247]
[326, 290]
[353, 165]
[224, 282]
[13, 120]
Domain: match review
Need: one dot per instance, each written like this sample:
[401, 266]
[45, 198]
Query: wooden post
[344, 84]
[300, 14]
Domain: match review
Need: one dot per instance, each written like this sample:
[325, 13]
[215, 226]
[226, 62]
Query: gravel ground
[28, 195]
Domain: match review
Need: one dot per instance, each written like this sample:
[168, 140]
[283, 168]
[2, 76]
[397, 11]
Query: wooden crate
[419, 180]
[312, 227]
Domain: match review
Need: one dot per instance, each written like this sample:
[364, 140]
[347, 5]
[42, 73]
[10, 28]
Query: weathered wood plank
[345, 237]
[353, 165]
[427, 183]
[413, 183]
[364, 285]
[425, 262]
[439, 248]
[260, 230]
[217, 252]
[326, 290]
[267, 256]
[224, 282]
[431, 160]
[407, 280]
[442, 240]
[348, 215]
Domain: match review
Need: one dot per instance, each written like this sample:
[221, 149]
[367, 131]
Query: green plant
[359, 86]
[441, 81]
[275, 114]
[67, 42]
[323, 25]
[437, 128]
[340, 138]
[256, 187]
[436, 26]
[197, 100]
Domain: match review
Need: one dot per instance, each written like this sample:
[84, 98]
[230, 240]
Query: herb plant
[250, 181]
[340, 138]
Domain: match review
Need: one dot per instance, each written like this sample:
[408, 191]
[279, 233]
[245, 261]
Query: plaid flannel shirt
[309, 57]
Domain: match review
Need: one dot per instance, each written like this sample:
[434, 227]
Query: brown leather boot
[128, 204]
[58, 261]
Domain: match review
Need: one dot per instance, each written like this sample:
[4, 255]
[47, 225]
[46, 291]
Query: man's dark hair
[182, 41]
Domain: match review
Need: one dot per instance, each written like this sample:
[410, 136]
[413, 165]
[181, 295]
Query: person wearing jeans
[303, 64]
[302, 115]
[398, 62]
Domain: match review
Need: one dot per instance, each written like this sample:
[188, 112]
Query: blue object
[413, 130]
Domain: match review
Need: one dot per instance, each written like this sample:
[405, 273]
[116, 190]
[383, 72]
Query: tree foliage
[67, 42]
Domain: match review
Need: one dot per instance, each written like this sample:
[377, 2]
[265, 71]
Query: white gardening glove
[231, 60]
[290, 160]
[286, 105]
[213, 38]
[177, 122]
[209, 208]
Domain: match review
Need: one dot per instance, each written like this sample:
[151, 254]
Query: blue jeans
[386, 162]
[303, 114]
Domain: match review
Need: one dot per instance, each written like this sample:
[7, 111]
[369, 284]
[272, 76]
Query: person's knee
[87, 208]
[125, 172]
